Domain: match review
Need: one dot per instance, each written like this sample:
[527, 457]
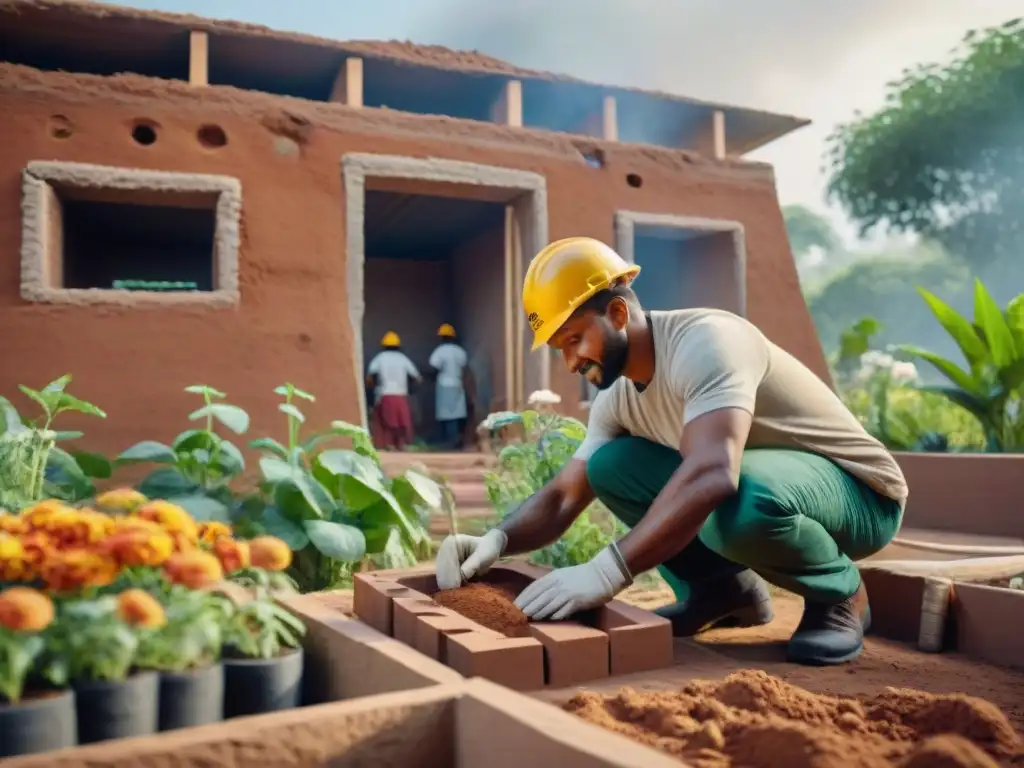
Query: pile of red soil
[754, 720]
[488, 605]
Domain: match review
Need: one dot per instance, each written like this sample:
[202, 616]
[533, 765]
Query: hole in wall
[144, 133]
[212, 136]
[634, 180]
[61, 127]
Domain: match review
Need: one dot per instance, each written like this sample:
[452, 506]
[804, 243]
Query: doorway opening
[433, 242]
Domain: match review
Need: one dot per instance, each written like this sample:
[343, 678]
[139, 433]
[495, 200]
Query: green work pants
[798, 519]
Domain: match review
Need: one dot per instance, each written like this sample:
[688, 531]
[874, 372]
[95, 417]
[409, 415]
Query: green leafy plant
[525, 467]
[991, 388]
[193, 636]
[88, 642]
[32, 466]
[262, 629]
[195, 470]
[18, 654]
[334, 507]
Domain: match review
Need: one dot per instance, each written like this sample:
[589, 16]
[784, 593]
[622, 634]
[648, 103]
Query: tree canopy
[807, 230]
[945, 156]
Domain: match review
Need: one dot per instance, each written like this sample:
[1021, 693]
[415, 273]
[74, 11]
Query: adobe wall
[291, 323]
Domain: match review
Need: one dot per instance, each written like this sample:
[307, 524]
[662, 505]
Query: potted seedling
[43, 720]
[93, 648]
[186, 651]
[263, 658]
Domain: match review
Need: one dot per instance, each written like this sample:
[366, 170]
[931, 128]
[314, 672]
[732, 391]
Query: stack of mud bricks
[616, 639]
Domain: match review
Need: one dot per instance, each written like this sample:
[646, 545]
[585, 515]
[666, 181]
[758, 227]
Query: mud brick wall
[291, 322]
[618, 639]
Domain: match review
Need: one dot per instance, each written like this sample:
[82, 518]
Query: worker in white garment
[449, 361]
[389, 373]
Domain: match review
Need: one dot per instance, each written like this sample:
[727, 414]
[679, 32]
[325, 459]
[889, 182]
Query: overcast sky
[818, 59]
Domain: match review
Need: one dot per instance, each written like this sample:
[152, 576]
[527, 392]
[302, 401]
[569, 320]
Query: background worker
[389, 373]
[727, 457]
[449, 361]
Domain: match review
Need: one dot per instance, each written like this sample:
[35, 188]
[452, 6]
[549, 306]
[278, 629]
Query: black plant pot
[38, 724]
[254, 686]
[117, 710]
[192, 697]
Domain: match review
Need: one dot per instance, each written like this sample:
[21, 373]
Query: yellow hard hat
[390, 340]
[563, 276]
[446, 329]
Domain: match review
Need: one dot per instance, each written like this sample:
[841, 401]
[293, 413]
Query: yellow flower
[139, 546]
[72, 569]
[194, 569]
[211, 531]
[233, 555]
[129, 523]
[12, 524]
[69, 528]
[122, 499]
[172, 518]
[15, 564]
[25, 610]
[270, 553]
[37, 515]
[140, 609]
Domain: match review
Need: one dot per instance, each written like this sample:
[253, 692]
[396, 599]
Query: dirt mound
[489, 606]
[753, 720]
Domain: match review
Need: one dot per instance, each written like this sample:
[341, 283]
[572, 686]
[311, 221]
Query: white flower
[875, 359]
[903, 373]
[544, 397]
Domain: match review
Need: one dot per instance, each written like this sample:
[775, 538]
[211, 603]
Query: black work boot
[831, 634]
[737, 600]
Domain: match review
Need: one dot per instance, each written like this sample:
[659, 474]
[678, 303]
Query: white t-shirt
[392, 369]
[449, 360]
[708, 359]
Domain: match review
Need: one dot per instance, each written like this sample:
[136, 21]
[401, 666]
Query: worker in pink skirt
[389, 373]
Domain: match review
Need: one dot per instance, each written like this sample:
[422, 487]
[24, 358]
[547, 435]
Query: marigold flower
[194, 569]
[140, 546]
[123, 499]
[233, 555]
[69, 528]
[211, 531]
[130, 522]
[12, 524]
[72, 569]
[15, 564]
[38, 547]
[23, 609]
[140, 609]
[270, 553]
[172, 518]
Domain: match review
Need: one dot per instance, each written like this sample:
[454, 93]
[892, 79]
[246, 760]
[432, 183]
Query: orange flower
[72, 569]
[139, 546]
[15, 564]
[122, 499]
[140, 609]
[233, 555]
[69, 528]
[270, 553]
[172, 518]
[38, 547]
[211, 531]
[12, 524]
[25, 610]
[194, 569]
[128, 523]
[36, 515]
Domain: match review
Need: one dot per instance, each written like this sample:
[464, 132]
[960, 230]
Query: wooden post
[718, 134]
[198, 58]
[510, 380]
[610, 119]
[517, 308]
[348, 85]
[508, 109]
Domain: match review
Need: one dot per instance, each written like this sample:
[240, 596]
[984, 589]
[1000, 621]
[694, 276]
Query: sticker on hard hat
[535, 322]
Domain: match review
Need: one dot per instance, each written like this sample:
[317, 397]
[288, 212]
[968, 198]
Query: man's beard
[613, 361]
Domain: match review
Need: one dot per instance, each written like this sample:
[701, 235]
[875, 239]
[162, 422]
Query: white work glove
[565, 591]
[461, 557]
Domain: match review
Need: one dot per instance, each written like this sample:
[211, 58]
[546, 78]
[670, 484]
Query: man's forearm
[540, 520]
[676, 516]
